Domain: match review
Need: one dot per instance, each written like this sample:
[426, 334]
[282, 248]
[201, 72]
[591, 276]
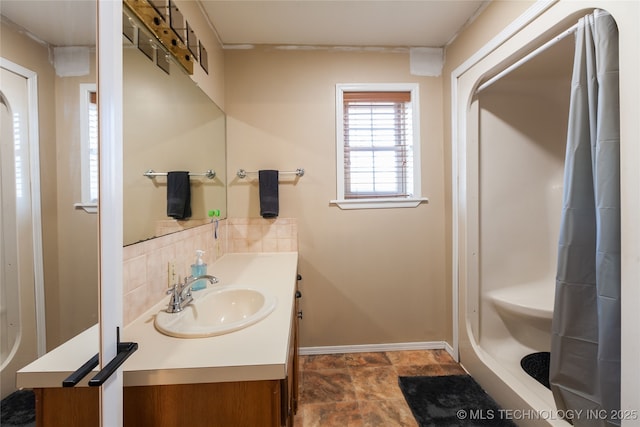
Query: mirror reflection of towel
[269, 205]
[178, 195]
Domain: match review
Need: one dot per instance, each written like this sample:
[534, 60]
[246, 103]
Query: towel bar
[210, 174]
[243, 173]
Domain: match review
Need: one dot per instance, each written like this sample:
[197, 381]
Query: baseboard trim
[451, 351]
[363, 348]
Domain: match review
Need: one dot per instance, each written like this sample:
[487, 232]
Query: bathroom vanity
[244, 378]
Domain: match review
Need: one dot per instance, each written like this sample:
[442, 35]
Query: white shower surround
[512, 390]
[523, 125]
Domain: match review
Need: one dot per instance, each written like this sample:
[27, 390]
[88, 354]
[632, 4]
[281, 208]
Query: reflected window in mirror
[89, 143]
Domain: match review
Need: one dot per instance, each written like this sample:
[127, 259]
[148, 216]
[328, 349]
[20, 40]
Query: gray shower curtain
[585, 343]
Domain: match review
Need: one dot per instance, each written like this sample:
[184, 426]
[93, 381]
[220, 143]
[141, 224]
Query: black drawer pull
[125, 349]
[82, 372]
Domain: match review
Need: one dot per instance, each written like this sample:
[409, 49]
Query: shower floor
[504, 360]
[537, 366]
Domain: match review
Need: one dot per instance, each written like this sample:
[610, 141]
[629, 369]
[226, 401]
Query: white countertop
[258, 352]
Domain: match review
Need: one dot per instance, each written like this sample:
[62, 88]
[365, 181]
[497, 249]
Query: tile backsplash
[147, 264]
[262, 235]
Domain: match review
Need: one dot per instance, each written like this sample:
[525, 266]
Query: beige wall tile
[146, 264]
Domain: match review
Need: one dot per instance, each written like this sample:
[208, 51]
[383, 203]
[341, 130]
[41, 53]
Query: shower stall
[522, 129]
[21, 265]
[509, 159]
[521, 139]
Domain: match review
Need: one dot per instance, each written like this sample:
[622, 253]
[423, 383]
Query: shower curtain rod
[528, 57]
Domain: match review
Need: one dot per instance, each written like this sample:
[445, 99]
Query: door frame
[110, 219]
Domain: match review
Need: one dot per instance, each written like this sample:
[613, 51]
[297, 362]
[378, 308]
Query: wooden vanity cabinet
[290, 383]
[265, 403]
[77, 406]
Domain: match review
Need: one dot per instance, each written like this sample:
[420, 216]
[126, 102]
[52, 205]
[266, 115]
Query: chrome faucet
[181, 292]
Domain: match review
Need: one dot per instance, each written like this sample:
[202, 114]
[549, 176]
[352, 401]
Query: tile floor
[361, 389]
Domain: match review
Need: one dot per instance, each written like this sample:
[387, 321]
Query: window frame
[379, 201]
[88, 204]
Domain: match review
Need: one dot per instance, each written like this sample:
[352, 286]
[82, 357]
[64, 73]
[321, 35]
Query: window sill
[90, 208]
[379, 203]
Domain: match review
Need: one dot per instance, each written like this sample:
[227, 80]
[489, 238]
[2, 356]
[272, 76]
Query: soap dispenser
[199, 269]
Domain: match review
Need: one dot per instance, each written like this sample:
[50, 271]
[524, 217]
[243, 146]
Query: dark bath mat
[18, 409]
[537, 366]
[451, 400]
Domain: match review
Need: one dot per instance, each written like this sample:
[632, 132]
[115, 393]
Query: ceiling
[363, 23]
[58, 22]
[425, 23]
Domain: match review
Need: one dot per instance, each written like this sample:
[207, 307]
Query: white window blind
[378, 144]
[89, 148]
[93, 147]
[18, 154]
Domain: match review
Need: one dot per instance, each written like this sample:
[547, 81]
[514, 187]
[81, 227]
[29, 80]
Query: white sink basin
[217, 311]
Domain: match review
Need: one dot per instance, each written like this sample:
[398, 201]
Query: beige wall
[377, 276]
[69, 235]
[369, 276]
[77, 300]
[487, 25]
[24, 51]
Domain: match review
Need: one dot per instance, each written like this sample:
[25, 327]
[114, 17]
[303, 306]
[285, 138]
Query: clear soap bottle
[199, 268]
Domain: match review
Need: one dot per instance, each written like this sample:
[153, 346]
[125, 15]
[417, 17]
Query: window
[18, 154]
[89, 147]
[378, 149]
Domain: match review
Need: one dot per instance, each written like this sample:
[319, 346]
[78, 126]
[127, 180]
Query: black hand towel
[269, 206]
[178, 195]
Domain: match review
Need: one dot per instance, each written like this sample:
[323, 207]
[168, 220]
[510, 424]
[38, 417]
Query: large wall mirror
[170, 124]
